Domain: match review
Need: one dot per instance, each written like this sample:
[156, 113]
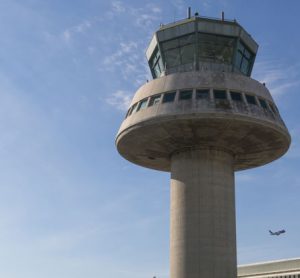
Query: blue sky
[70, 206]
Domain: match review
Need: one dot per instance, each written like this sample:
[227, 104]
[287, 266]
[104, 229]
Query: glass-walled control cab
[201, 44]
[156, 64]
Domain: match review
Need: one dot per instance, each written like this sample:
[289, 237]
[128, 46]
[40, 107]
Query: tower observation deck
[202, 118]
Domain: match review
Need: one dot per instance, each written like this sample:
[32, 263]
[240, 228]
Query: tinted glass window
[236, 96]
[179, 51]
[272, 108]
[142, 104]
[128, 112]
[244, 59]
[189, 39]
[220, 94]
[263, 103]
[169, 97]
[250, 99]
[133, 109]
[185, 94]
[154, 100]
[170, 44]
[215, 48]
[155, 64]
[187, 54]
[172, 57]
[202, 94]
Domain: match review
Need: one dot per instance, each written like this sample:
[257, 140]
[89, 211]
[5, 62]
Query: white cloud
[145, 20]
[118, 7]
[120, 56]
[67, 35]
[156, 9]
[279, 77]
[146, 17]
[79, 28]
[120, 100]
[83, 26]
[128, 60]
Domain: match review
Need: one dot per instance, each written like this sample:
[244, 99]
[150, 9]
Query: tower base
[203, 237]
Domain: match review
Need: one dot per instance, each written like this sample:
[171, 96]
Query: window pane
[245, 66]
[172, 57]
[128, 112]
[154, 100]
[236, 96]
[187, 54]
[215, 48]
[133, 110]
[169, 97]
[155, 64]
[226, 55]
[238, 60]
[161, 66]
[250, 99]
[241, 47]
[247, 54]
[189, 39]
[263, 103]
[170, 44]
[157, 70]
[202, 94]
[185, 94]
[220, 94]
[142, 104]
[244, 59]
[272, 108]
[154, 57]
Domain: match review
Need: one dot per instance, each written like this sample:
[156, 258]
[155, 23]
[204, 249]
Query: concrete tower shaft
[203, 242]
[202, 118]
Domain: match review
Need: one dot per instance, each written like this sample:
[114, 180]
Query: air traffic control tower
[202, 118]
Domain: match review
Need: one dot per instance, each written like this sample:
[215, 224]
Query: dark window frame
[178, 46]
[145, 100]
[203, 94]
[133, 108]
[244, 58]
[186, 94]
[236, 96]
[155, 63]
[263, 103]
[273, 107]
[169, 97]
[219, 42]
[128, 112]
[220, 94]
[251, 99]
[153, 102]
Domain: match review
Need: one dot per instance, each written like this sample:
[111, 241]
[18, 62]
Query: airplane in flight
[276, 233]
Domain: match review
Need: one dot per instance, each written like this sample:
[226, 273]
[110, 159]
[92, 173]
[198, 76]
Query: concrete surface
[288, 268]
[253, 135]
[203, 242]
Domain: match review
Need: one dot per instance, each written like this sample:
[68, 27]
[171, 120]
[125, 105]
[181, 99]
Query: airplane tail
[271, 232]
